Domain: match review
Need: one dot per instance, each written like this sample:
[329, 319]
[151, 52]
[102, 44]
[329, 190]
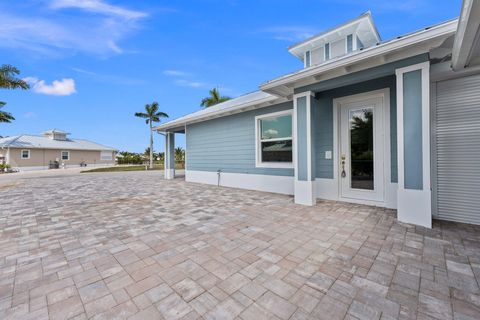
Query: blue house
[393, 123]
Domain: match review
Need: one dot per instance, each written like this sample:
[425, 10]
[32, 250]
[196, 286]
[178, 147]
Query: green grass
[123, 168]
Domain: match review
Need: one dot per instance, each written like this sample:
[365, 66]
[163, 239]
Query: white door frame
[390, 189]
[346, 191]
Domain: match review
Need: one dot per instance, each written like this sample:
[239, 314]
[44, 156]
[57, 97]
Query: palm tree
[8, 79]
[179, 154]
[5, 116]
[214, 98]
[151, 115]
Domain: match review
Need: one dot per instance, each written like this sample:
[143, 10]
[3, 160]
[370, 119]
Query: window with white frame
[307, 59]
[65, 155]
[25, 154]
[106, 155]
[274, 139]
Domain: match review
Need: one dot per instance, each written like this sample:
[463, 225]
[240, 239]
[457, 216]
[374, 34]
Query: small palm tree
[179, 154]
[151, 115]
[5, 116]
[214, 98]
[8, 78]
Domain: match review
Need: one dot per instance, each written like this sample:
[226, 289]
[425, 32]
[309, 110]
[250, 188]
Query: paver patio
[132, 245]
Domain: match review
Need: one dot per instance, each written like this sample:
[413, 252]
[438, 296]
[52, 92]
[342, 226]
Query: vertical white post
[303, 149]
[169, 156]
[413, 142]
[7, 158]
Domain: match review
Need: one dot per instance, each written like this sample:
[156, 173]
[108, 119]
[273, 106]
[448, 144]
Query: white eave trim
[468, 34]
[181, 122]
[393, 45]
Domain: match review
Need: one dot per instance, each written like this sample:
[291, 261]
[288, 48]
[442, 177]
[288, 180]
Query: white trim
[185, 159]
[259, 182]
[21, 154]
[441, 30]
[258, 141]
[169, 174]
[467, 35]
[68, 153]
[217, 112]
[305, 191]
[390, 188]
[309, 59]
[414, 206]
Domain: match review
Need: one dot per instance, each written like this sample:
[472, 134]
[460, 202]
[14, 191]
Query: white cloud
[271, 132]
[191, 84]
[176, 73]
[110, 78]
[290, 33]
[98, 30]
[98, 6]
[64, 87]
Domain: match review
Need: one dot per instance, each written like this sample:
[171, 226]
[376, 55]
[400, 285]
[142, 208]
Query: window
[349, 43]
[65, 155]
[106, 155]
[307, 59]
[25, 154]
[327, 51]
[274, 140]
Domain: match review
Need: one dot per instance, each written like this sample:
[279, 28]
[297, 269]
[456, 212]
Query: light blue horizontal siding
[228, 144]
[324, 122]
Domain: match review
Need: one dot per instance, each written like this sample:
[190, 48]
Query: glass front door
[361, 150]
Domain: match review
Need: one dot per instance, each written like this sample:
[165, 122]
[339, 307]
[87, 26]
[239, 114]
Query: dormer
[349, 37]
[56, 134]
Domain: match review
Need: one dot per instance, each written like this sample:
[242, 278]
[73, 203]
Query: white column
[413, 142]
[169, 158]
[303, 148]
[7, 158]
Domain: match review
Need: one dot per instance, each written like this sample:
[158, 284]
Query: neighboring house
[384, 123]
[53, 150]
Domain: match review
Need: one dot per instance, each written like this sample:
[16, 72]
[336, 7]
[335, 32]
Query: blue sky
[94, 63]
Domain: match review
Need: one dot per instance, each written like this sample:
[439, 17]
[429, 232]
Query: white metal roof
[282, 84]
[282, 87]
[231, 106]
[39, 142]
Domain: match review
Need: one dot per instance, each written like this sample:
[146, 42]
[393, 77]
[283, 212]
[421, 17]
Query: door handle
[344, 174]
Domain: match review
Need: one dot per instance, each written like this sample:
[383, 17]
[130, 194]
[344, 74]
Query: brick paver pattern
[132, 245]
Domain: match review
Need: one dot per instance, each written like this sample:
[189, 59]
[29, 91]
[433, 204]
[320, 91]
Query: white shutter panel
[458, 149]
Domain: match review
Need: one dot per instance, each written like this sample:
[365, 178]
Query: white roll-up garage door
[457, 157]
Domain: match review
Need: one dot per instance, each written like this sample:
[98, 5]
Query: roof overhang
[399, 48]
[466, 48]
[218, 111]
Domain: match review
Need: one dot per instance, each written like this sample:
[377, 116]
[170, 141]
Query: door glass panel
[361, 149]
